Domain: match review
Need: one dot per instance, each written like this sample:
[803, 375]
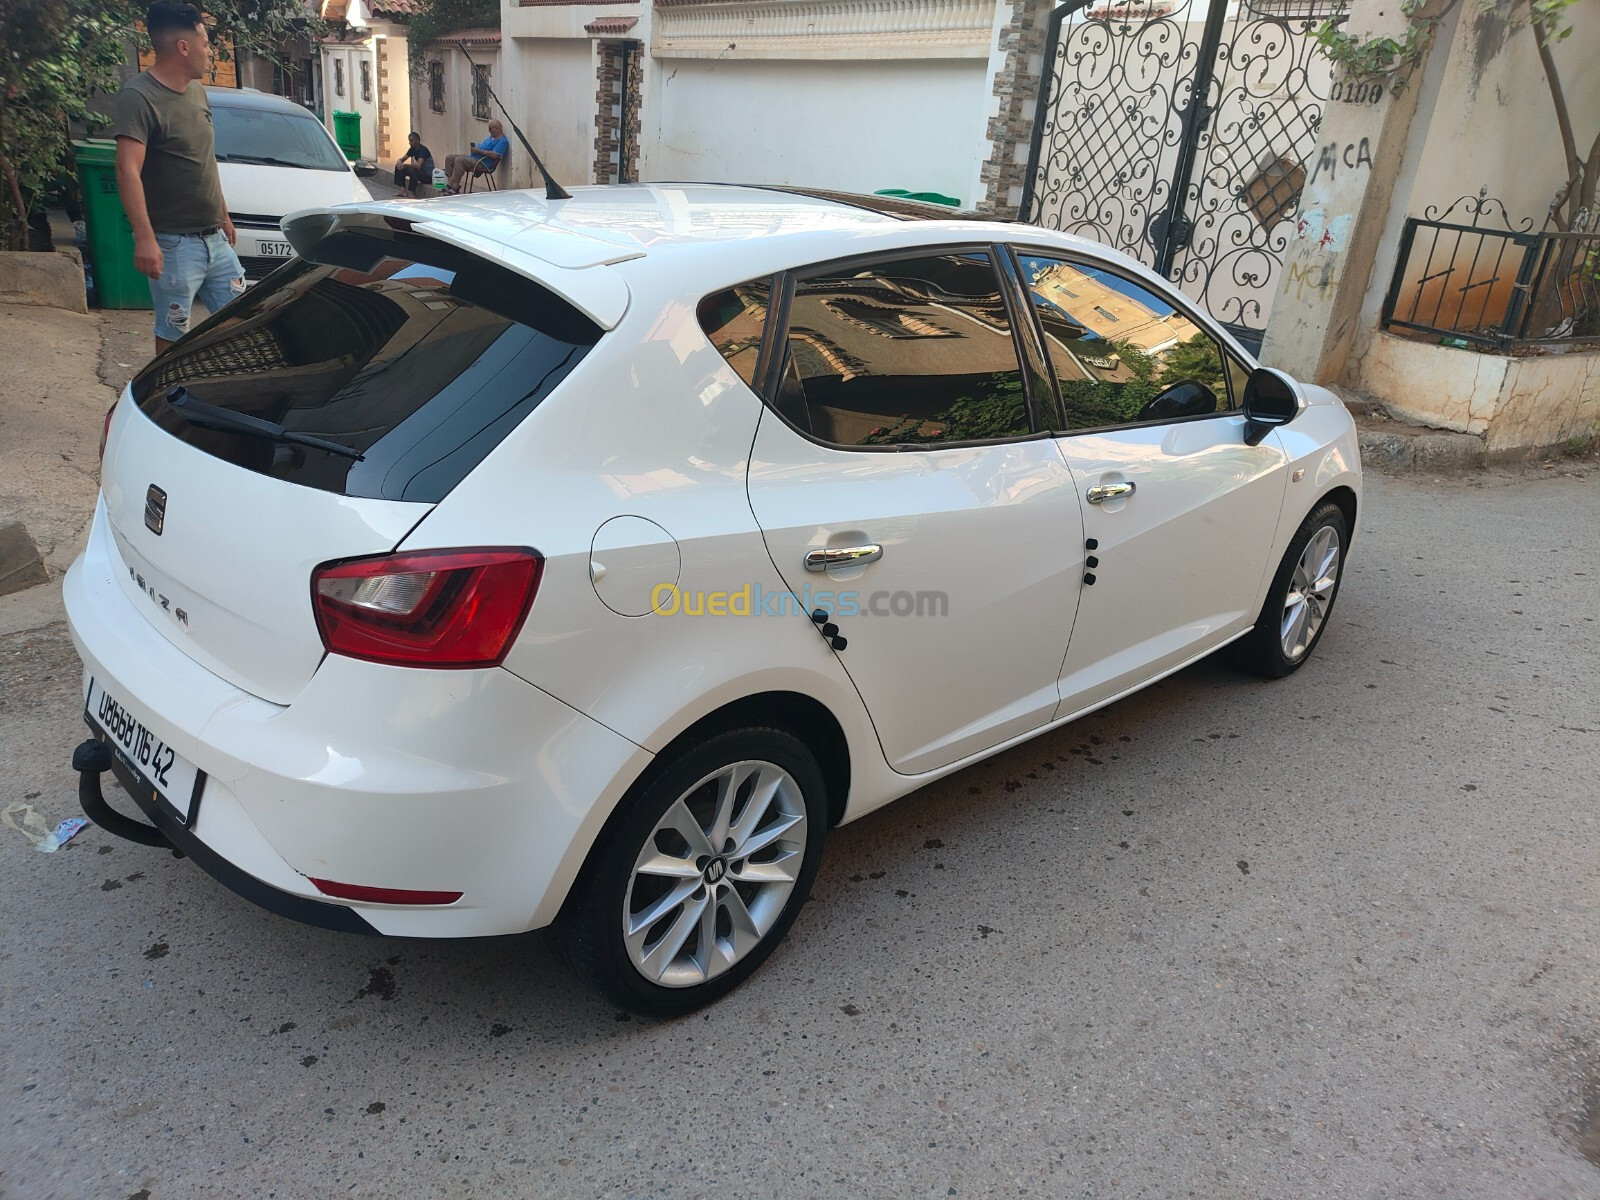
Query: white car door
[1179, 512]
[903, 493]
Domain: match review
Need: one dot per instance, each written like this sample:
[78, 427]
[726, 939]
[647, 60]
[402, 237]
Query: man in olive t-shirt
[167, 175]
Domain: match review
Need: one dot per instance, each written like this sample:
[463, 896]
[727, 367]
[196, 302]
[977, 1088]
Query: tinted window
[1119, 350]
[733, 320]
[420, 356]
[918, 350]
[277, 139]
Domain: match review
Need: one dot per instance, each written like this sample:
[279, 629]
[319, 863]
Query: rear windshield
[415, 355]
[261, 137]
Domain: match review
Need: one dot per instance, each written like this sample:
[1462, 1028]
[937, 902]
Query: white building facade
[860, 95]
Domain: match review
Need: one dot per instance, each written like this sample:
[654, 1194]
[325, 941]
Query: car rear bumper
[165, 830]
[469, 781]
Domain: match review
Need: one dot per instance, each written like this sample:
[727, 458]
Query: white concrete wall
[395, 99]
[857, 126]
[1514, 403]
[351, 55]
[549, 90]
[1494, 124]
[452, 131]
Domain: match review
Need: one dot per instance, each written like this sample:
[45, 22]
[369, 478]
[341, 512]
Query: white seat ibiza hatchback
[502, 562]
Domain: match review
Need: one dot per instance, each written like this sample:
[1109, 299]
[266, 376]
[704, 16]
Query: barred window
[366, 79]
[338, 77]
[436, 86]
[480, 92]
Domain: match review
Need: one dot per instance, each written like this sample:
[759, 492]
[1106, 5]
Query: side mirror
[1186, 399]
[1270, 400]
[366, 168]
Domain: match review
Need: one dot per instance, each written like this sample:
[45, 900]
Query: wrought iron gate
[1183, 132]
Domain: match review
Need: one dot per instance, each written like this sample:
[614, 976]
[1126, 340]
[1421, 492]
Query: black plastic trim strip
[297, 908]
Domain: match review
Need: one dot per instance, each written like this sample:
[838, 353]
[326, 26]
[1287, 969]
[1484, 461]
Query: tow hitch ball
[91, 760]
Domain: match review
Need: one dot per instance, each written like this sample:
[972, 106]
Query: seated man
[415, 167]
[481, 160]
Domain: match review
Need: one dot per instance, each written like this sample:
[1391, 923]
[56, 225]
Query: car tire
[1301, 597]
[690, 888]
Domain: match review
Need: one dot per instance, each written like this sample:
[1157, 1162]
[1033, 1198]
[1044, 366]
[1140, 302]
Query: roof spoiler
[598, 293]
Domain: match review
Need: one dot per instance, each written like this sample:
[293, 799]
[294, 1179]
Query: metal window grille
[1495, 289]
[1298, 10]
[436, 86]
[366, 79]
[480, 92]
[338, 77]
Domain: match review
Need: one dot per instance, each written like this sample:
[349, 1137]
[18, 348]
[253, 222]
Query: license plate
[165, 773]
[274, 249]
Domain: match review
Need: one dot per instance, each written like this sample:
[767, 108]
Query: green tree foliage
[439, 17]
[1001, 411]
[1092, 402]
[58, 66]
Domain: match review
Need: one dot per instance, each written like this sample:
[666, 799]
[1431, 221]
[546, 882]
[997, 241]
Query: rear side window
[917, 350]
[733, 321]
[416, 356]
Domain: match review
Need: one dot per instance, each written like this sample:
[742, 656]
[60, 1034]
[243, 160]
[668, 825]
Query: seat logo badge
[155, 510]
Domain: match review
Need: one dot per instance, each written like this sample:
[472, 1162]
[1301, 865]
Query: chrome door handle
[843, 556]
[1101, 492]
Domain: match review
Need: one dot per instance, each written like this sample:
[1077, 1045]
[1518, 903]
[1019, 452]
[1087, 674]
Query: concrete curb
[1396, 451]
[1395, 447]
[54, 280]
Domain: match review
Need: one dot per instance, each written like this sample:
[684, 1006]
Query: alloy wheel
[715, 874]
[1310, 593]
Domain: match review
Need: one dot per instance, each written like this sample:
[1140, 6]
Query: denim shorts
[193, 265]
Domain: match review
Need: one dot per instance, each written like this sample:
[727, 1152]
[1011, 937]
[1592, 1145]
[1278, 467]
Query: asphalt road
[1330, 937]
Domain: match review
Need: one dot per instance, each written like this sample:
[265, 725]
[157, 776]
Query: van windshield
[418, 356]
[261, 137]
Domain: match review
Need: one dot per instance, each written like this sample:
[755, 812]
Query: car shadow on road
[1061, 800]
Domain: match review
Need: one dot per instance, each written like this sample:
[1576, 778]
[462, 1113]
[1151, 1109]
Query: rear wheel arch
[808, 719]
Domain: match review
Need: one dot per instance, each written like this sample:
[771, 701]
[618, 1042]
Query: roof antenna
[552, 189]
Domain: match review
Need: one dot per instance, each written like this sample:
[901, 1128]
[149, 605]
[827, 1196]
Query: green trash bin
[925, 197]
[117, 283]
[347, 132]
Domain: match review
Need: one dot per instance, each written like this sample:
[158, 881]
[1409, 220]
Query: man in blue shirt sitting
[482, 159]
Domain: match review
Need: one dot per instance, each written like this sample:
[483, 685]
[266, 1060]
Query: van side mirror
[1270, 400]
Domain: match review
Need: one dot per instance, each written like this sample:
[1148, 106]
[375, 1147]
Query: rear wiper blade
[209, 416]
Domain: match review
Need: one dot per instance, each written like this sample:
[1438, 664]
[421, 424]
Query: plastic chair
[479, 172]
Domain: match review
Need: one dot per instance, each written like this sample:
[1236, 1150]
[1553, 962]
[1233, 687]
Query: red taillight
[432, 608]
[105, 430]
[378, 895]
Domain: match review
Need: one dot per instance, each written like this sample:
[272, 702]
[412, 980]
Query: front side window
[387, 368]
[914, 351]
[1120, 352]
